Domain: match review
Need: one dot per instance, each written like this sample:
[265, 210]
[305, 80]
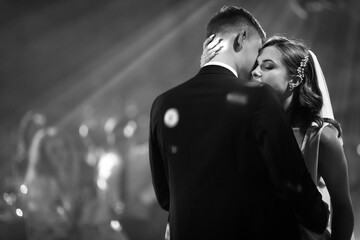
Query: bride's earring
[291, 86]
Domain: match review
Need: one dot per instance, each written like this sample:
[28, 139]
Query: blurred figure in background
[12, 222]
[141, 211]
[102, 212]
[52, 181]
[103, 201]
[30, 124]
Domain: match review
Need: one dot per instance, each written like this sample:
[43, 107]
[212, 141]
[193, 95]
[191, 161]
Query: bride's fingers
[214, 44]
[217, 48]
[212, 51]
[205, 58]
[208, 40]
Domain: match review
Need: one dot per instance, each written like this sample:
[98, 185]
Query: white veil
[326, 110]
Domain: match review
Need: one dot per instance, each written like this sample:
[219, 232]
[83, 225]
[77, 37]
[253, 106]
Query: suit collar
[222, 65]
[215, 69]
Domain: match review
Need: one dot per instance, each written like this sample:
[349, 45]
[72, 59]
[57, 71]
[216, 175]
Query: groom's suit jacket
[225, 163]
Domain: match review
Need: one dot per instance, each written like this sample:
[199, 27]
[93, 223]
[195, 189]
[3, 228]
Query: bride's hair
[307, 100]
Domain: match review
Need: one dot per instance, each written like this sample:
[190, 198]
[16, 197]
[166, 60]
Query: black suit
[225, 163]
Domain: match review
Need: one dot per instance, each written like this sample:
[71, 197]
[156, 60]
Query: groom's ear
[239, 40]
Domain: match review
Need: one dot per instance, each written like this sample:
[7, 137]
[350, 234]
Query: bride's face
[270, 69]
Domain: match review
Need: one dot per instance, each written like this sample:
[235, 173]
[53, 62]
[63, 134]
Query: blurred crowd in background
[76, 186]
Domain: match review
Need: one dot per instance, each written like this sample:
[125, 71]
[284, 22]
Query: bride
[294, 72]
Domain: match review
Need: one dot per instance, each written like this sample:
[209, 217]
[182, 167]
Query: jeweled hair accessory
[300, 69]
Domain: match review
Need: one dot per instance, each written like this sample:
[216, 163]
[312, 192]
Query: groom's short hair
[233, 19]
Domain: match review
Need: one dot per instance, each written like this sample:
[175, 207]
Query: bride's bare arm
[334, 170]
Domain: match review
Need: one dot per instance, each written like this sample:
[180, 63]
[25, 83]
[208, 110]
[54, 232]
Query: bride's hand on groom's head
[210, 49]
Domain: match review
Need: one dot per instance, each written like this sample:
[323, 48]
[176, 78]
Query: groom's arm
[284, 160]
[157, 165]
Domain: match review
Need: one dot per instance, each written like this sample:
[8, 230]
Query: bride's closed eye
[267, 66]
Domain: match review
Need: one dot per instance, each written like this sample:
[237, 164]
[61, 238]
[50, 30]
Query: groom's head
[242, 35]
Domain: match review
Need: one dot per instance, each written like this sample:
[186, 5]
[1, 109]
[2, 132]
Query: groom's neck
[224, 58]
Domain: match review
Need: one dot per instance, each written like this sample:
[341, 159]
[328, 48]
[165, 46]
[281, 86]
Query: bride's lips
[256, 79]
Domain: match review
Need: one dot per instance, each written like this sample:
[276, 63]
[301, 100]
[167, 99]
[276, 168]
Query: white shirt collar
[222, 65]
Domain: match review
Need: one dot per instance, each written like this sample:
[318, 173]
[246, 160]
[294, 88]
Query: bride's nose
[256, 73]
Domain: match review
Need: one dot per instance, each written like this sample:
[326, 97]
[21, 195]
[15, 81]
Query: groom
[224, 160]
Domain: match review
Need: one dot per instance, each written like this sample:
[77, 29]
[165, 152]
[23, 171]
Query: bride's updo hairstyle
[307, 99]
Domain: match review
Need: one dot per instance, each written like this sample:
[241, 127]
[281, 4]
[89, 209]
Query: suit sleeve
[284, 160]
[157, 164]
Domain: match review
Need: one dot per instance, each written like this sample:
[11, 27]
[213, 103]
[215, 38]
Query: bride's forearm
[342, 225]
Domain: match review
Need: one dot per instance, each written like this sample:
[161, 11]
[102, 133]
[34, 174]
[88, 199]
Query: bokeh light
[23, 189]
